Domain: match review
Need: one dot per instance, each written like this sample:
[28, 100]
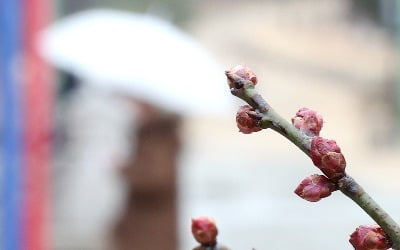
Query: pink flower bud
[308, 121]
[246, 120]
[240, 72]
[370, 238]
[326, 155]
[333, 165]
[315, 187]
[204, 230]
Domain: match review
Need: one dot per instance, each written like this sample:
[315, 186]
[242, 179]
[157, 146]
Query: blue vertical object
[11, 129]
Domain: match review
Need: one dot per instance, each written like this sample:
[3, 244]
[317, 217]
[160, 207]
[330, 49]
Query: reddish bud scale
[315, 187]
[242, 72]
[320, 147]
[370, 238]
[204, 230]
[246, 120]
[326, 155]
[333, 165]
[308, 121]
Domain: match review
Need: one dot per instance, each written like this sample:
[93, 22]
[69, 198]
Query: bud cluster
[370, 238]
[315, 187]
[326, 155]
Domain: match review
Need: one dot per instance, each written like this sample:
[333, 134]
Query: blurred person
[118, 56]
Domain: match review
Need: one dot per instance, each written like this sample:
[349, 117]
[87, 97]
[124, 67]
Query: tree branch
[244, 88]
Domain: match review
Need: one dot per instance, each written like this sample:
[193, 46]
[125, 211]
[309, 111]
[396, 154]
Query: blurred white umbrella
[139, 55]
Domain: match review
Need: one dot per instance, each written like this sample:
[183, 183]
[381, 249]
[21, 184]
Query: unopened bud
[204, 230]
[240, 73]
[247, 121]
[315, 187]
[370, 238]
[326, 155]
[333, 165]
[308, 121]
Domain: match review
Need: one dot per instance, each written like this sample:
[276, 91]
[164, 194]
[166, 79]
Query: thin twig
[246, 91]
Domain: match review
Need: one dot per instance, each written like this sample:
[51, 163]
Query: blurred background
[117, 127]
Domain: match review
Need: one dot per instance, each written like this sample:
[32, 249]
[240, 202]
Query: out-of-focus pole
[11, 126]
[37, 102]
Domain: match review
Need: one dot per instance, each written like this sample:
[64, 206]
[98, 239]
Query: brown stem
[354, 191]
[347, 185]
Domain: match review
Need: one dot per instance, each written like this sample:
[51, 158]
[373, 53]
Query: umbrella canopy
[139, 55]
